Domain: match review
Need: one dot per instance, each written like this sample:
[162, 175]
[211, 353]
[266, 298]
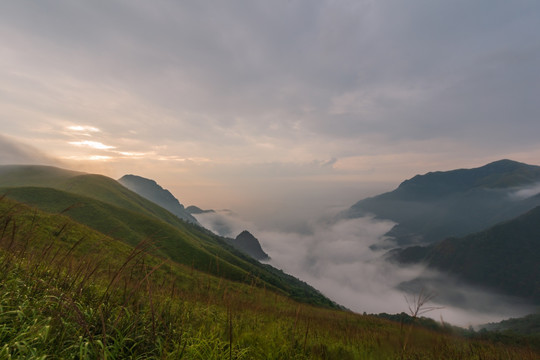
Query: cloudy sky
[236, 103]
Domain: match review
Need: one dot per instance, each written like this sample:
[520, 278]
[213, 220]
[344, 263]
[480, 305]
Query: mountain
[504, 257]
[249, 244]
[437, 205]
[152, 191]
[194, 210]
[105, 205]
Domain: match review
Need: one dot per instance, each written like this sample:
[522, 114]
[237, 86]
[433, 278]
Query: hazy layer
[339, 260]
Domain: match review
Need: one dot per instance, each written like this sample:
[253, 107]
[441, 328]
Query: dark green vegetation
[437, 205]
[523, 331]
[152, 191]
[106, 206]
[504, 257]
[527, 325]
[68, 291]
[249, 244]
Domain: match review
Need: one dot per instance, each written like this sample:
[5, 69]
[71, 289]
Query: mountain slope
[103, 204]
[97, 186]
[503, 257]
[431, 207]
[152, 191]
[69, 292]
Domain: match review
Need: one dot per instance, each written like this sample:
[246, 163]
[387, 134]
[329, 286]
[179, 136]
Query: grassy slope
[105, 205]
[58, 299]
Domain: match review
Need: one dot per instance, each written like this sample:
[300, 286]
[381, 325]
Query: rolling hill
[105, 205]
[437, 205]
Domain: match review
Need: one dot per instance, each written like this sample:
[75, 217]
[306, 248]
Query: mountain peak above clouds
[496, 175]
[440, 204]
[249, 244]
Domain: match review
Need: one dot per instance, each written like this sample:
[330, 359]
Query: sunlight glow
[132, 154]
[99, 158]
[92, 144]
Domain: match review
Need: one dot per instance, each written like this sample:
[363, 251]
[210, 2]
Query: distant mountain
[249, 244]
[194, 210]
[527, 325]
[152, 191]
[504, 257]
[437, 205]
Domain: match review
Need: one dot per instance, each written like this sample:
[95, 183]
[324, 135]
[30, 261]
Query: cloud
[83, 128]
[92, 144]
[526, 192]
[340, 260]
[305, 76]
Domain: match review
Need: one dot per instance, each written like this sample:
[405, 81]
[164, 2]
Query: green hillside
[528, 325]
[91, 185]
[70, 292]
[437, 205]
[34, 175]
[112, 209]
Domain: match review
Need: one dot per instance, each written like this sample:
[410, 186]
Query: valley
[90, 254]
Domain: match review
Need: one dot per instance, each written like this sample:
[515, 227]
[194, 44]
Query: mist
[15, 152]
[526, 192]
[339, 259]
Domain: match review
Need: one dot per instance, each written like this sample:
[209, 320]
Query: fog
[339, 259]
[526, 192]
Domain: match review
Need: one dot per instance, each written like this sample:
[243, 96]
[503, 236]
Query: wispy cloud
[92, 158]
[83, 128]
[526, 192]
[92, 144]
[133, 154]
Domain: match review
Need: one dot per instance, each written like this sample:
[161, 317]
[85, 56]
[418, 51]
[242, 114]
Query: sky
[233, 103]
[282, 111]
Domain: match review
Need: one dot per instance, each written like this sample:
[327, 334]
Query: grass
[182, 242]
[69, 292]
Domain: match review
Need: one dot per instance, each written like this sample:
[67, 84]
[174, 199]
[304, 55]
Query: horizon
[233, 105]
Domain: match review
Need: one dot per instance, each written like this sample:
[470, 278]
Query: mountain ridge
[430, 207]
[154, 192]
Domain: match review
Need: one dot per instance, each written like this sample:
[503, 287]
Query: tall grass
[68, 292]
